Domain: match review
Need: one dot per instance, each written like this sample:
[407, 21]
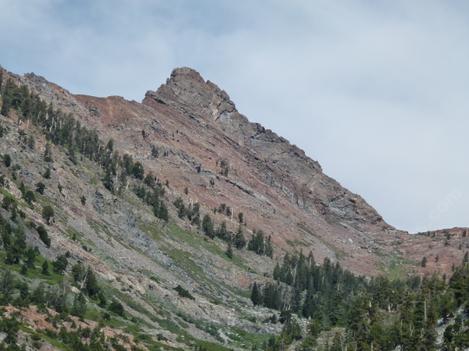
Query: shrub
[46, 173]
[40, 187]
[29, 197]
[8, 202]
[60, 264]
[45, 268]
[183, 292]
[79, 305]
[7, 160]
[47, 213]
[43, 235]
[117, 308]
[137, 170]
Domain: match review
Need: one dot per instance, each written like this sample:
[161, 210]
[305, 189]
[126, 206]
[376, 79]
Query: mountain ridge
[178, 224]
[327, 218]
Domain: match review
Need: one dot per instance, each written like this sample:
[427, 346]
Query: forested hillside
[366, 314]
[101, 252]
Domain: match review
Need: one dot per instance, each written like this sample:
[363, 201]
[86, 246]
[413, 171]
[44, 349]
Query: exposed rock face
[277, 163]
[290, 187]
[190, 133]
[187, 91]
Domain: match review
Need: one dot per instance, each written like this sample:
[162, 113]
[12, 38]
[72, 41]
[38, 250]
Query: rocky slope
[190, 135]
[195, 127]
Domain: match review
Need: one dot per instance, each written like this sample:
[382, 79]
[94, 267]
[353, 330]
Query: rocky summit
[176, 223]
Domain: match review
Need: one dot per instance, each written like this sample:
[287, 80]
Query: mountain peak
[185, 73]
[186, 89]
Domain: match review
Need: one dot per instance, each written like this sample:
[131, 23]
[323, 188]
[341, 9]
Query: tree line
[377, 313]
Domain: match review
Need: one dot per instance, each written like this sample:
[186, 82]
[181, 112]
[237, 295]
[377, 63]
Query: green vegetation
[378, 313]
[183, 292]
[260, 245]
[48, 213]
[64, 130]
[352, 313]
[43, 235]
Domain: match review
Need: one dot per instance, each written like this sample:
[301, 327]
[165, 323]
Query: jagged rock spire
[187, 89]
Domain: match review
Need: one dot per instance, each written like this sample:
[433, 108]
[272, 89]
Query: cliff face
[190, 134]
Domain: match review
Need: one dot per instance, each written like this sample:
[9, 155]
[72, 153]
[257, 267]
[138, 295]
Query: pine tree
[48, 153]
[229, 251]
[138, 171]
[78, 273]
[256, 296]
[179, 204]
[40, 187]
[291, 330]
[91, 284]
[207, 226]
[160, 210]
[43, 235]
[29, 197]
[79, 305]
[222, 232]
[150, 180]
[60, 264]
[296, 301]
[117, 308]
[7, 160]
[48, 213]
[336, 343]
[38, 295]
[257, 243]
[269, 251]
[239, 241]
[30, 256]
[276, 275]
[45, 268]
[108, 180]
[7, 285]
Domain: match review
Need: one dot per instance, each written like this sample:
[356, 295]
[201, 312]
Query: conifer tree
[229, 251]
[43, 235]
[48, 213]
[137, 170]
[47, 153]
[239, 241]
[79, 305]
[207, 226]
[91, 284]
[256, 296]
[60, 264]
[45, 268]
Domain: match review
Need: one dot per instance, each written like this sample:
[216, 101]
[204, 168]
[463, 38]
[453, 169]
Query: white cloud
[376, 91]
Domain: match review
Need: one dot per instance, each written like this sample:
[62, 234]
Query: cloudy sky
[377, 91]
